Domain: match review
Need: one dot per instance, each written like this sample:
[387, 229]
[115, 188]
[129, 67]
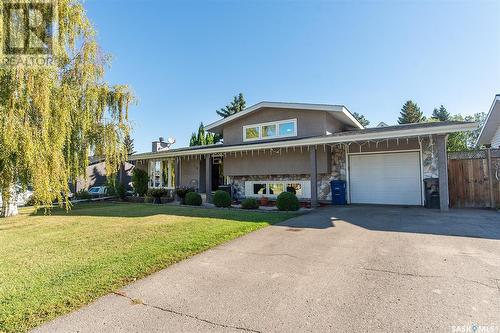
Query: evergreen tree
[193, 141]
[410, 113]
[362, 120]
[202, 138]
[237, 105]
[129, 145]
[441, 114]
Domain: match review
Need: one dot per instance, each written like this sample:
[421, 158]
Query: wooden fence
[473, 178]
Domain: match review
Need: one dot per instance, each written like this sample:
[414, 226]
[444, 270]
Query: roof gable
[491, 124]
[339, 112]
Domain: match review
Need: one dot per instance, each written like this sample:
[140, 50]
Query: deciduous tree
[53, 117]
[464, 141]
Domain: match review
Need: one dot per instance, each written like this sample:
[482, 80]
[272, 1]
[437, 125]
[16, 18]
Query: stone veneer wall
[338, 171]
[430, 158]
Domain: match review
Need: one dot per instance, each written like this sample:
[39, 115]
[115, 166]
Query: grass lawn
[50, 265]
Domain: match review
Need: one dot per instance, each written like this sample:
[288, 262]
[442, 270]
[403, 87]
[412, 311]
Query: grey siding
[495, 141]
[266, 163]
[190, 169]
[309, 123]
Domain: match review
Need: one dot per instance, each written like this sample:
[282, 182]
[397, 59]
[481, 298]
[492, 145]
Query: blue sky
[185, 59]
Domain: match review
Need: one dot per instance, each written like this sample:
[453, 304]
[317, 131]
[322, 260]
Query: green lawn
[50, 265]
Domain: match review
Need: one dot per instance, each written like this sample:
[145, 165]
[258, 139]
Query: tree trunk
[9, 203]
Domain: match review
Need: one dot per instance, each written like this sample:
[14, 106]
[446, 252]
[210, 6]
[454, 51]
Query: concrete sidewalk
[349, 269]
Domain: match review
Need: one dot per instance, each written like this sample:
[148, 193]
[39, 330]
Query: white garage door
[385, 178]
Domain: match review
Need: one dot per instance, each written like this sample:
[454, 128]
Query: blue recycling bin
[338, 192]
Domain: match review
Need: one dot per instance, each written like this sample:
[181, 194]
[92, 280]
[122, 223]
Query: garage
[385, 178]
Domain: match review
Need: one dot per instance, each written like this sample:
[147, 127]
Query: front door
[217, 173]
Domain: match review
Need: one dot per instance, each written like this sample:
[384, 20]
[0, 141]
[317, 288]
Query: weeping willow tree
[53, 117]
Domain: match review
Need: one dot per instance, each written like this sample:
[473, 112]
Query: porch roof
[377, 133]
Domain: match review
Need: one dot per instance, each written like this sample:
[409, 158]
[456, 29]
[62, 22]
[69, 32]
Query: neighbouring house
[95, 175]
[490, 133]
[273, 147]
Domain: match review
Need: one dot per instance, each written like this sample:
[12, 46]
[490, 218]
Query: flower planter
[264, 201]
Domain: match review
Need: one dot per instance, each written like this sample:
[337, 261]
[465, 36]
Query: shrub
[148, 199]
[83, 195]
[287, 201]
[182, 191]
[250, 203]
[157, 193]
[193, 199]
[222, 199]
[31, 201]
[110, 190]
[120, 190]
[140, 181]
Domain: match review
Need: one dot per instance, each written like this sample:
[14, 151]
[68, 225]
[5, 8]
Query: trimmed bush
[287, 201]
[182, 191]
[120, 190]
[193, 199]
[110, 187]
[250, 203]
[140, 179]
[157, 193]
[222, 199]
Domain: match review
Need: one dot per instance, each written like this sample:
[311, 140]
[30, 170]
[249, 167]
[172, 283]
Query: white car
[98, 191]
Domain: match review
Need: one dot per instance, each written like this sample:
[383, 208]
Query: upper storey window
[272, 130]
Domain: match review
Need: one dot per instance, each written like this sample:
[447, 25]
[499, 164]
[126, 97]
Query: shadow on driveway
[457, 222]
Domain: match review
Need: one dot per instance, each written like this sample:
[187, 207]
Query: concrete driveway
[348, 269]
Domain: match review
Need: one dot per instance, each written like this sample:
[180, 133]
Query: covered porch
[306, 167]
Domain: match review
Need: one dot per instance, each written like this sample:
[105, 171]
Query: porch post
[314, 177]
[177, 172]
[444, 195]
[490, 177]
[208, 177]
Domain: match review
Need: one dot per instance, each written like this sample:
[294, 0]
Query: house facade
[490, 133]
[273, 147]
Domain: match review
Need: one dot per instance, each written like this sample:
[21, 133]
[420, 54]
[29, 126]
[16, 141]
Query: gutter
[403, 133]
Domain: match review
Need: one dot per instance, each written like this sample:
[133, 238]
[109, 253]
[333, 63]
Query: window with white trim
[271, 130]
[162, 174]
[273, 188]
